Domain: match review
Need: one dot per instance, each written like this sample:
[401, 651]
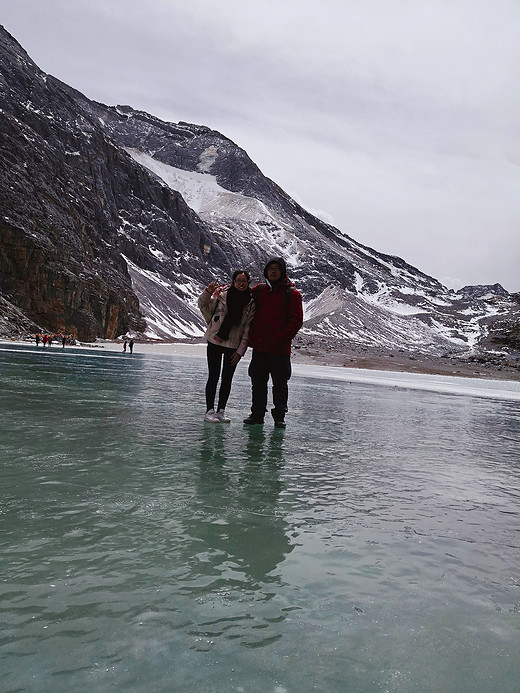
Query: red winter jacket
[278, 317]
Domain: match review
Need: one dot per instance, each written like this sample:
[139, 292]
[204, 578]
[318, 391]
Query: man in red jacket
[278, 317]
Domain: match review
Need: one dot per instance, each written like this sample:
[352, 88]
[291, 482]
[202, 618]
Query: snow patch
[198, 189]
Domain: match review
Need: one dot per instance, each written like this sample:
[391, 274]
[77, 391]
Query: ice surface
[471, 387]
[138, 539]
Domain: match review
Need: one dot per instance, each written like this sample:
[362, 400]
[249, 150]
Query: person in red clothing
[278, 317]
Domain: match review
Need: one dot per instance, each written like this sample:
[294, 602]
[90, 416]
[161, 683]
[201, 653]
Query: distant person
[44, 340]
[278, 317]
[131, 346]
[228, 311]
[63, 341]
[124, 346]
[37, 339]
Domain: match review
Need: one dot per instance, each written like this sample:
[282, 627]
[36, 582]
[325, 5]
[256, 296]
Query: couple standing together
[266, 318]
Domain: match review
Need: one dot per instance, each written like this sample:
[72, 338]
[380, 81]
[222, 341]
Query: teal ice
[374, 545]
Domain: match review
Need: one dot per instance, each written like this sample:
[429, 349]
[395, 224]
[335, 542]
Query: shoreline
[318, 357]
[409, 363]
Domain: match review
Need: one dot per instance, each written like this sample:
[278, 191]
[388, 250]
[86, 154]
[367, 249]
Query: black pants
[216, 354]
[261, 367]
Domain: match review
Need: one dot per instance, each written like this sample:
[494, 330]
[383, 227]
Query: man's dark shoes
[252, 419]
[279, 418]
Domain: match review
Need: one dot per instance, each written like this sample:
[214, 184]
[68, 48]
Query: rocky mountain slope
[112, 221]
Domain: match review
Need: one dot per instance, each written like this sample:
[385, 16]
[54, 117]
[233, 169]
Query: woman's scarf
[236, 301]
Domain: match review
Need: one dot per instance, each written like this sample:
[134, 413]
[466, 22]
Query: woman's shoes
[211, 416]
[216, 417]
[221, 416]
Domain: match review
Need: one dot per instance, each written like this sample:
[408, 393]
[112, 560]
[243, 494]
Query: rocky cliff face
[113, 221]
[65, 191]
[55, 226]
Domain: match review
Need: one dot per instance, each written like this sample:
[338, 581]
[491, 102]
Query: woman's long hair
[236, 301]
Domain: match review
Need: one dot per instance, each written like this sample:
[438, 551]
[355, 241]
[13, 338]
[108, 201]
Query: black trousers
[217, 355]
[261, 367]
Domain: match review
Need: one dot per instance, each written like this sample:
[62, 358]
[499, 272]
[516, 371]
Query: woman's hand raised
[211, 287]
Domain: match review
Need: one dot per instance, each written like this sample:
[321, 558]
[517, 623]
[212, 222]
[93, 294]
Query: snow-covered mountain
[352, 294]
[173, 205]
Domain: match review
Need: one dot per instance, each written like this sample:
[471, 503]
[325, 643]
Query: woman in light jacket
[229, 313]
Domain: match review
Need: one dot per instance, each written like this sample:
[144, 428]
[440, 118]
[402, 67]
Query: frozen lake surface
[372, 546]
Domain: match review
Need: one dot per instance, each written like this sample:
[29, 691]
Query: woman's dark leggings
[215, 354]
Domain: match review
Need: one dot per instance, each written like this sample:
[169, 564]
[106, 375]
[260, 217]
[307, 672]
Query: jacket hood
[279, 261]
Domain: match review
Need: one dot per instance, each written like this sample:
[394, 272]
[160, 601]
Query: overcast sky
[398, 121]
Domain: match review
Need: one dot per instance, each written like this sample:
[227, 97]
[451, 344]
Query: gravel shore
[406, 362]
